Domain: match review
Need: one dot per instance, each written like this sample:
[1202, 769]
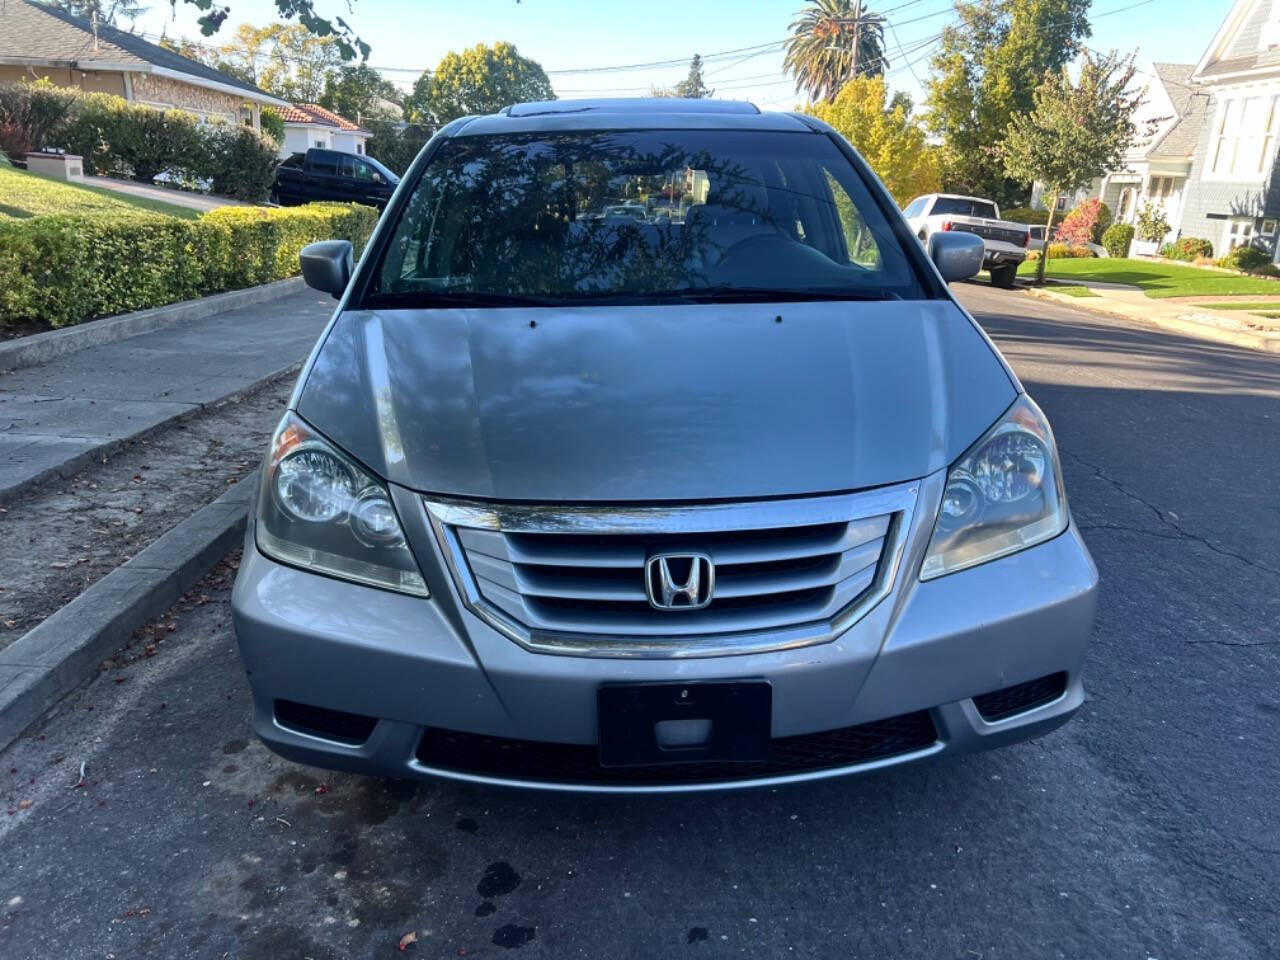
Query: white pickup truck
[1005, 242]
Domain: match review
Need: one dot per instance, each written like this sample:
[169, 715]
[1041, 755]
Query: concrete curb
[48, 662]
[1194, 328]
[73, 465]
[43, 347]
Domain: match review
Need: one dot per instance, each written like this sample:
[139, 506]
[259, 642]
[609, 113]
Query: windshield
[963, 207]
[641, 215]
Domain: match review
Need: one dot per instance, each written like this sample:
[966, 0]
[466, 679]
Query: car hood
[686, 402]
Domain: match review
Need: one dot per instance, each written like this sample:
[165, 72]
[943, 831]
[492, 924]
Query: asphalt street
[1146, 828]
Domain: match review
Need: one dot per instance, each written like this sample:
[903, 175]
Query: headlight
[322, 511]
[1004, 495]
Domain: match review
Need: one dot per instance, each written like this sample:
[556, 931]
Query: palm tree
[831, 42]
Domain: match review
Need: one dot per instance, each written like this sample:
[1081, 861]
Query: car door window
[347, 167]
[324, 162]
[365, 172]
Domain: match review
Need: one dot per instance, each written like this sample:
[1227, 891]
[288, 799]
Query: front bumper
[417, 666]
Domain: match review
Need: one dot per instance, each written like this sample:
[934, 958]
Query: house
[39, 41]
[1157, 166]
[1233, 193]
[308, 125]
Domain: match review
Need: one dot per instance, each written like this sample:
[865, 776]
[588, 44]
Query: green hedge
[1189, 249]
[65, 269]
[1117, 239]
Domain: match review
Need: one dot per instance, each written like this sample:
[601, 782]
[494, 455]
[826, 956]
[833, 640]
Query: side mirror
[327, 265]
[958, 256]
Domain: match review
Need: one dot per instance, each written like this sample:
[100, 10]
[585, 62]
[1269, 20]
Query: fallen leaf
[408, 938]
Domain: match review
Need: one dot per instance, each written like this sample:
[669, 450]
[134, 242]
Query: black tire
[1004, 277]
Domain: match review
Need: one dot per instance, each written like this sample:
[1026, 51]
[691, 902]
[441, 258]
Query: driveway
[181, 198]
[1146, 828]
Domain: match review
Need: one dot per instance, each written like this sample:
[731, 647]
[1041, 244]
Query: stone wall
[158, 91]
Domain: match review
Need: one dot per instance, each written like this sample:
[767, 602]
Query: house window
[1269, 35]
[1125, 206]
[1268, 228]
[319, 144]
[1244, 136]
[1061, 204]
[1239, 233]
[359, 148]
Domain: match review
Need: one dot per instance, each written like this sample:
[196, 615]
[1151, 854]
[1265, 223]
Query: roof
[1189, 104]
[313, 113]
[1242, 44]
[32, 33]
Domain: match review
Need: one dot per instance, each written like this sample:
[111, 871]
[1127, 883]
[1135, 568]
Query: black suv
[333, 175]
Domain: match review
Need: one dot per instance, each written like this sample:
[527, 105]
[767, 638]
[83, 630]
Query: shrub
[1068, 251]
[242, 162]
[69, 268]
[28, 113]
[273, 124]
[1152, 223]
[1105, 220]
[131, 140]
[1246, 259]
[1117, 238]
[1025, 215]
[1078, 225]
[1189, 248]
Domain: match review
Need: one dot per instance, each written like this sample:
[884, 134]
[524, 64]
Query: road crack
[1179, 532]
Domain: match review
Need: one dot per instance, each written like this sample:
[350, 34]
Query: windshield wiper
[732, 293]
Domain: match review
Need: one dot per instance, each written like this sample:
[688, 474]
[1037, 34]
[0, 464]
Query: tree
[985, 73]
[110, 12]
[337, 31]
[831, 42]
[692, 85]
[1075, 132]
[287, 60]
[244, 54]
[359, 93]
[886, 137]
[480, 80]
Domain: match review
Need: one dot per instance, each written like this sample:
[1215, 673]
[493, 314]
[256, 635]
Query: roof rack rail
[630, 105]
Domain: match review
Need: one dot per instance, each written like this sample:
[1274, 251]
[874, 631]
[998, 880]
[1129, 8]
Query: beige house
[39, 41]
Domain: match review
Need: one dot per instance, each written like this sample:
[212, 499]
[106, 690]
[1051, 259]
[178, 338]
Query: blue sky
[576, 36]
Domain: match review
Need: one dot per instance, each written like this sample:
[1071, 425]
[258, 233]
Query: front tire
[1004, 277]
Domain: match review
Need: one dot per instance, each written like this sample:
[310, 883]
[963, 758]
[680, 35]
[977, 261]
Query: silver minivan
[731, 496]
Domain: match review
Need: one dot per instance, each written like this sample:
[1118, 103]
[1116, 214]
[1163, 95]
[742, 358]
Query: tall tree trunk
[1048, 234]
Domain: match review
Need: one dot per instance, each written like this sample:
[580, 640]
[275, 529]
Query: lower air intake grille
[531, 760]
[314, 721]
[1020, 698]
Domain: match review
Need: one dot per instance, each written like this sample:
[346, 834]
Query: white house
[1155, 169]
[1234, 193]
[308, 125]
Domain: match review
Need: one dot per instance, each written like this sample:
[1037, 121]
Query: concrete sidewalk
[57, 416]
[1236, 327]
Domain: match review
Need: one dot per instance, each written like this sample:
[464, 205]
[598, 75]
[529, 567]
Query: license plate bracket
[631, 716]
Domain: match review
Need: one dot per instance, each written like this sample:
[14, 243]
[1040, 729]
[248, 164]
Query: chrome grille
[572, 579]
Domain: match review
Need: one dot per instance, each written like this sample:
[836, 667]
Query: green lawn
[1158, 279]
[1251, 306]
[1073, 291]
[24, 195]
